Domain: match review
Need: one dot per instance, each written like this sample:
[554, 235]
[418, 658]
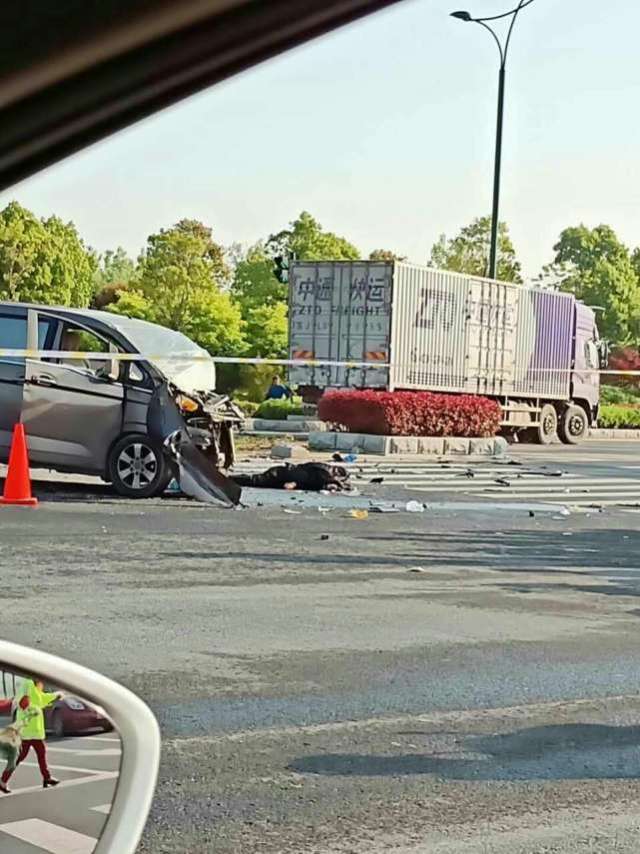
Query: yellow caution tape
[81, 356]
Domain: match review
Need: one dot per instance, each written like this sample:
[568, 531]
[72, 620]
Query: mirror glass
[59, 767]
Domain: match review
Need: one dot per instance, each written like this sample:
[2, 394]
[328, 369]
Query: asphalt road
[458, 680]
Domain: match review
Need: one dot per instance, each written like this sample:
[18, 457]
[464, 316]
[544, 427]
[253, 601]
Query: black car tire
[57, 725]
[138, 467]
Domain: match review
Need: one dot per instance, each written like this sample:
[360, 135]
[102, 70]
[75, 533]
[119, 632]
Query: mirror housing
[604, 351]
[136, 726]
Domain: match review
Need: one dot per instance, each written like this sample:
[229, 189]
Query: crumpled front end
[197, 432]
[211, 420]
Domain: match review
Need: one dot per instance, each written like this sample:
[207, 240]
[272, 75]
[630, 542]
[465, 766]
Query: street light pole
[503, 50]
[495, 212]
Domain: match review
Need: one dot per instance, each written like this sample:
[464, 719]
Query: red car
[72, 716]
[67, 716]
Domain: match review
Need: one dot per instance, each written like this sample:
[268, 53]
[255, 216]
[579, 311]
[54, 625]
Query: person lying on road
[311, 477]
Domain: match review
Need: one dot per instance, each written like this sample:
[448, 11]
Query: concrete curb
[602, 433]
[364, 443]
[264, 425]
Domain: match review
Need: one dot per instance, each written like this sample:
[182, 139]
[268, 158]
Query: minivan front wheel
[138, 468]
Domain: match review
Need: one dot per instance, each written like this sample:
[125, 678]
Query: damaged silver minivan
[91, 416]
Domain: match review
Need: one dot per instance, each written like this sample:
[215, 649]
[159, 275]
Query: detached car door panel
[71, 416]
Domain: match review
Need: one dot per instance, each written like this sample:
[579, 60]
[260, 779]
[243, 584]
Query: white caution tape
[77, 355]
[80, 356]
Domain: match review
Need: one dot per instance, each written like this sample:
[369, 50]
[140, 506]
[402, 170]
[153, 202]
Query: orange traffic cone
[17, 486]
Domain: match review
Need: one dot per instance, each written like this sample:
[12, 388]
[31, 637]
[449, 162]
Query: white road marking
[50, 837]
[516, 713]
[74, 768]
[92, 738]
[104, 808]
[104, 751]
[88, 776]
[526, 482]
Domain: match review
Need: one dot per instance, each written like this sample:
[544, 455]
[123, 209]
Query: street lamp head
[462, 16]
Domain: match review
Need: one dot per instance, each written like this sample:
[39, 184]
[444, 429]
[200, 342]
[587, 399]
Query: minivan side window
[76, 338]
[13, 335]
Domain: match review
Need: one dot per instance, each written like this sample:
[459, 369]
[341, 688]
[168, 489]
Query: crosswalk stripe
[50, 837]
[533, 480]
[468, 489]
[103, 808]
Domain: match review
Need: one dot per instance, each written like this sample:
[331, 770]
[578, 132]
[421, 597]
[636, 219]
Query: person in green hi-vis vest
[30, 720]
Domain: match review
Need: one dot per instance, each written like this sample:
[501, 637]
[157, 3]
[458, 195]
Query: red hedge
[411, 413]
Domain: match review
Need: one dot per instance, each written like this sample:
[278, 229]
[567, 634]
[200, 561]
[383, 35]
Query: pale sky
[384, 131]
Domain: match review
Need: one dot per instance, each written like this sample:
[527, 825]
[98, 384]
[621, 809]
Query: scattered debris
[414, 507]
[347, 458]
[503, 481]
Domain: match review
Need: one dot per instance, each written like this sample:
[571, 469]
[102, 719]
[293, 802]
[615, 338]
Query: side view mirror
[109, 370]
[94, 735]
[604, 352]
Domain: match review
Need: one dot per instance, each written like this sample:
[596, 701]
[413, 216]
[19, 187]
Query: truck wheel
[573, 426]
[545, 432]
[138, 467]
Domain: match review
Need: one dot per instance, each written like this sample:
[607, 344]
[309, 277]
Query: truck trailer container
[411, 327]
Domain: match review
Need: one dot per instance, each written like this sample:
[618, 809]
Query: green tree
[262, 300]
[385, 255]
[267, 331]
[181, 285]
[115, 267]
[635, 260]
[115, 272]
[306, 239]
[43, 260]
[72, 264]
[21, 236]
[595, 266]
[469, 251]
[254, 280]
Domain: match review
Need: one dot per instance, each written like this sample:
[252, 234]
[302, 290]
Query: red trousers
[41, 753]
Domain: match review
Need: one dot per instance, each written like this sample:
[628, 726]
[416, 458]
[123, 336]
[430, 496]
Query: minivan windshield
[197, 372]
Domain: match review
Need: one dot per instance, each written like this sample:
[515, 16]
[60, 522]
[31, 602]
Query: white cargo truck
[536, 351]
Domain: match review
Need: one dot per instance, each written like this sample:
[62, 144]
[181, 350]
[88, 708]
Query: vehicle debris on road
[195, 451]
[414, 507]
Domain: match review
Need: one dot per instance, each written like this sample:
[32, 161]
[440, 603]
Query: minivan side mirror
[110, 370]
[121, 766]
